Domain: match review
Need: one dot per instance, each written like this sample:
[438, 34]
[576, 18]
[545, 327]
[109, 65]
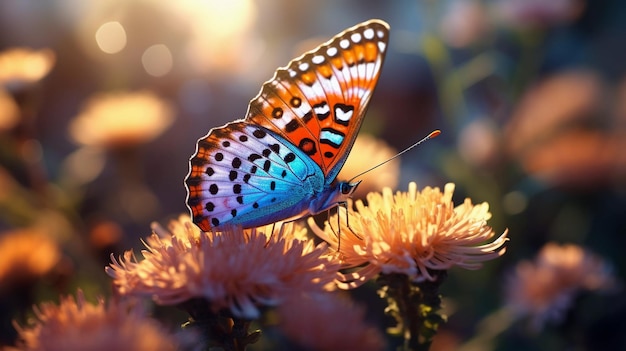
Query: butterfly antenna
[432, 134]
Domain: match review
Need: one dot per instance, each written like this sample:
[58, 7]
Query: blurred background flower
[20, 67]
[332, 323]
[117, 120]
[557, 133]
[9, 111]
[544, 289]
[76, 324]
[26, 256]
[529, 96]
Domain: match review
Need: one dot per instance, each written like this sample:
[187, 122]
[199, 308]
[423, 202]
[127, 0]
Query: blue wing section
[246, 175]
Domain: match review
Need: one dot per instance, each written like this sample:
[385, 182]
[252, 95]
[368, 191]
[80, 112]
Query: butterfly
[281, 161]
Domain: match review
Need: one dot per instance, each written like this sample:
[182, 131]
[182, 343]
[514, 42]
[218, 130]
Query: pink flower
[76, 324]
[239, 270]
[544, 289]
[549, 133]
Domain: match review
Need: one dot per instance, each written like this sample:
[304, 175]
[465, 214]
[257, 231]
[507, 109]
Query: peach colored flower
[76, 324]
[411, 233]
[327, 322]
[544, 289]
[25, 256]
[565, 99]
[121, 119]
[372, 151]
[549, 132]
[579, 158]
[20, 67]
[236, 269]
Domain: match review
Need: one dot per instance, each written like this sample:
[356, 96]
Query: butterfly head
[346, 189]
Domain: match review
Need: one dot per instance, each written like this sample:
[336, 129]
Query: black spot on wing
[295, 102]
[277, 113]
[213, 189]
[292, 126]
[307, 146]
[290, 157]
[236, 162]
[260, 134]
[254, 157]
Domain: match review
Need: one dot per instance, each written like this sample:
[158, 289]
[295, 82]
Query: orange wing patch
[318, 101]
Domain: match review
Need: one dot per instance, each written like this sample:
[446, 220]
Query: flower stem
[415, 306]
[219, 329]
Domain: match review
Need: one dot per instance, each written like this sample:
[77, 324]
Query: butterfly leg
[345, 206]
[272, 234]
[281, 231]
[338, 235]
[282, 225]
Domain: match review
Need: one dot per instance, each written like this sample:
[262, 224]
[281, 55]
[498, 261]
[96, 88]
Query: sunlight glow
[157, 60]
[111, 37]
[221, 37]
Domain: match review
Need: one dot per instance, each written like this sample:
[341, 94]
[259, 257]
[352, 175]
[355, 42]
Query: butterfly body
[282, 160]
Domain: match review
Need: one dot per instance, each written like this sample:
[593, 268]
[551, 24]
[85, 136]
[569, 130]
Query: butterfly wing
[243, 174]
[318, 101]
[295, 138]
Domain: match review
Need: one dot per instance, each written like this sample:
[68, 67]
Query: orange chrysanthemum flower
[329, 323]
[76, 324]
[544, 289]
[236, 269]
[411, 233]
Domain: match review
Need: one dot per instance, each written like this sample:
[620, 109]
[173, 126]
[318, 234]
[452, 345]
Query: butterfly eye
[348, 188]
[345, 188]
